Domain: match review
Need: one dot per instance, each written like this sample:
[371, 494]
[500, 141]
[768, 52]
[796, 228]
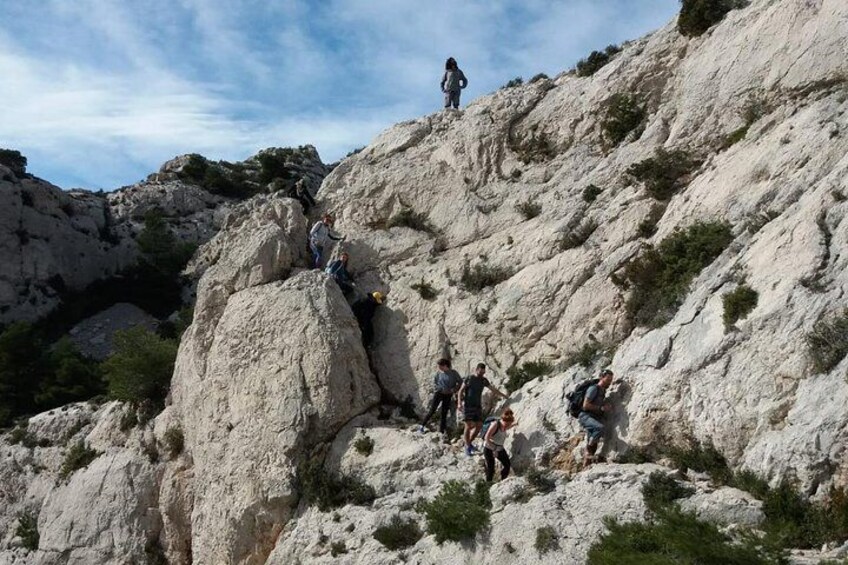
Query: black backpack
[576, 396]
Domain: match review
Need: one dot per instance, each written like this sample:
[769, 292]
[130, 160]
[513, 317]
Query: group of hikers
[450, 391]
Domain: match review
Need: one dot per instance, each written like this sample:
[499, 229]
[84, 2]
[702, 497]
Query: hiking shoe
[422, 430]
[468, 450]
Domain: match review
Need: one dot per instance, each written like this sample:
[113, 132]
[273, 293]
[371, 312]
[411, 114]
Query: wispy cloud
[99, 92]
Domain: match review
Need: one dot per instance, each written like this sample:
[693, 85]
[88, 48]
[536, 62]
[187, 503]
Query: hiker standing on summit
[453, 81]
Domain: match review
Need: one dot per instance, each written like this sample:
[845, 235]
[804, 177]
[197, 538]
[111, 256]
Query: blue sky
[99, 93]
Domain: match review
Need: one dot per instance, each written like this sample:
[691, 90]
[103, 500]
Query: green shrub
[330, 490]
[71, 376]
[458, 512]
[662, 490]
[697, 16]
[78, 456]
[736, 136]
[577, 236]
[537, 148]
[22, 366]
[624, 113]
[750, 482]
[529, 209]
[546, 540]
[672, 538]
[425, 290]
[14, 161]
[703, 458]
[274, 165]
[538, 77]
[141, 366]
[754, 109]
[596, 59]
[648, 226]
[517, 81]
[663, 174]
[399, 533]
[591, 193]
[827, 342]
[160, 248]
[586, 355]
[27, 530]
[174, 441]
[738, 303]
[540, 480]
[195, 168]
[482, 275]
[408, 218]
[364, 445]
[660, 277]
[518, 377]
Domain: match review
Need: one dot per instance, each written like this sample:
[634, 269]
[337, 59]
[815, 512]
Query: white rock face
[752, 390]
[728, 506]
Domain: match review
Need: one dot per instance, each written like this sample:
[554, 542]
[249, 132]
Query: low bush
[78, 456]
[577, 236]
[482, 275]
[174, 441]
[538, 77]
[141, 367]
[529, 209]
[458, 512]
[399, 533]
[27, 530]
[408, 218]
[364, 445]
[586, 355]
[425, 290]
[546, 540]
[274, 164]
[328, 490]
[160, 248]
[697, 16]
[702, 458]
[537, 148]
[827, 342]
[14, 161]
[648, 226]
[661, 490]
[596, 59]
[738, 303]
[519, 376]
[624, 113]
[663, 175]
[517, 81]
[540, 479]
[659, 277]
[753, 109]
[591, 193]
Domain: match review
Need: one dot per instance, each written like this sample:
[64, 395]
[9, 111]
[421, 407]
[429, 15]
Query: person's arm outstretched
[491, 387]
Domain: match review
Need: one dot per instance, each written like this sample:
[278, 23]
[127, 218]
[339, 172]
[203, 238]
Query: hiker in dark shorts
[493, 444]
[471, 403]
[446, 384]
[592, 415]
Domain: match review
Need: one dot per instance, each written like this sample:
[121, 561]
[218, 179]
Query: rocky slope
[272, 374]
[53, 241]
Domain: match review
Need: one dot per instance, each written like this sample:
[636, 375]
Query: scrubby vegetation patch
[458, 512]
[519, 376]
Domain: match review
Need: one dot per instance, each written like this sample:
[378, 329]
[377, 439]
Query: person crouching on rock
[471, 403]
[337, 270]
[494, 438]
[364, 310]
[320, 233]
[453, 81]
[591, 418]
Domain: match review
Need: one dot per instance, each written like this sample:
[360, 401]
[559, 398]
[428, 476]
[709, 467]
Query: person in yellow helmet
[364, 310]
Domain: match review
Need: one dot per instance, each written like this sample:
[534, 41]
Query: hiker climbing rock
[471, 403]
[494, 437]
[319, 235]
[300, 193]
[337, 270]
[453, 81]
[590, 398]
[446, 383]
[364, 310]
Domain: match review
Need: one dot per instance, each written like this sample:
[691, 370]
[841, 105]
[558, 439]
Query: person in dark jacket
[364, 310]
[300, 193]
[453, 81]
[446, 383]
[337, 270]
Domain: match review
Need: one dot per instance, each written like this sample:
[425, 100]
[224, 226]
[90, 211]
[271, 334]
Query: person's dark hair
[481, 365]
[450, 64]
[606, 373]
[444, 362]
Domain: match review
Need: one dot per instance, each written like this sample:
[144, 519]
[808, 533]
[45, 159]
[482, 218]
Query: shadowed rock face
[272, 367]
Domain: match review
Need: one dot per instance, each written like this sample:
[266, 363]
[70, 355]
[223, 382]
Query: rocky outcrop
[53, 241]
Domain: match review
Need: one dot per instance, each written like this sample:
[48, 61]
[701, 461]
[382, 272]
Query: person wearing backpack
[471, 403]
[494, 437]
[453, 81]
[446, 383]
[593, 411]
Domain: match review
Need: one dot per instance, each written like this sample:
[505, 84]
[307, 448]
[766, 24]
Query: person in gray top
[595, 407]
[446, 383]
[453, 81]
